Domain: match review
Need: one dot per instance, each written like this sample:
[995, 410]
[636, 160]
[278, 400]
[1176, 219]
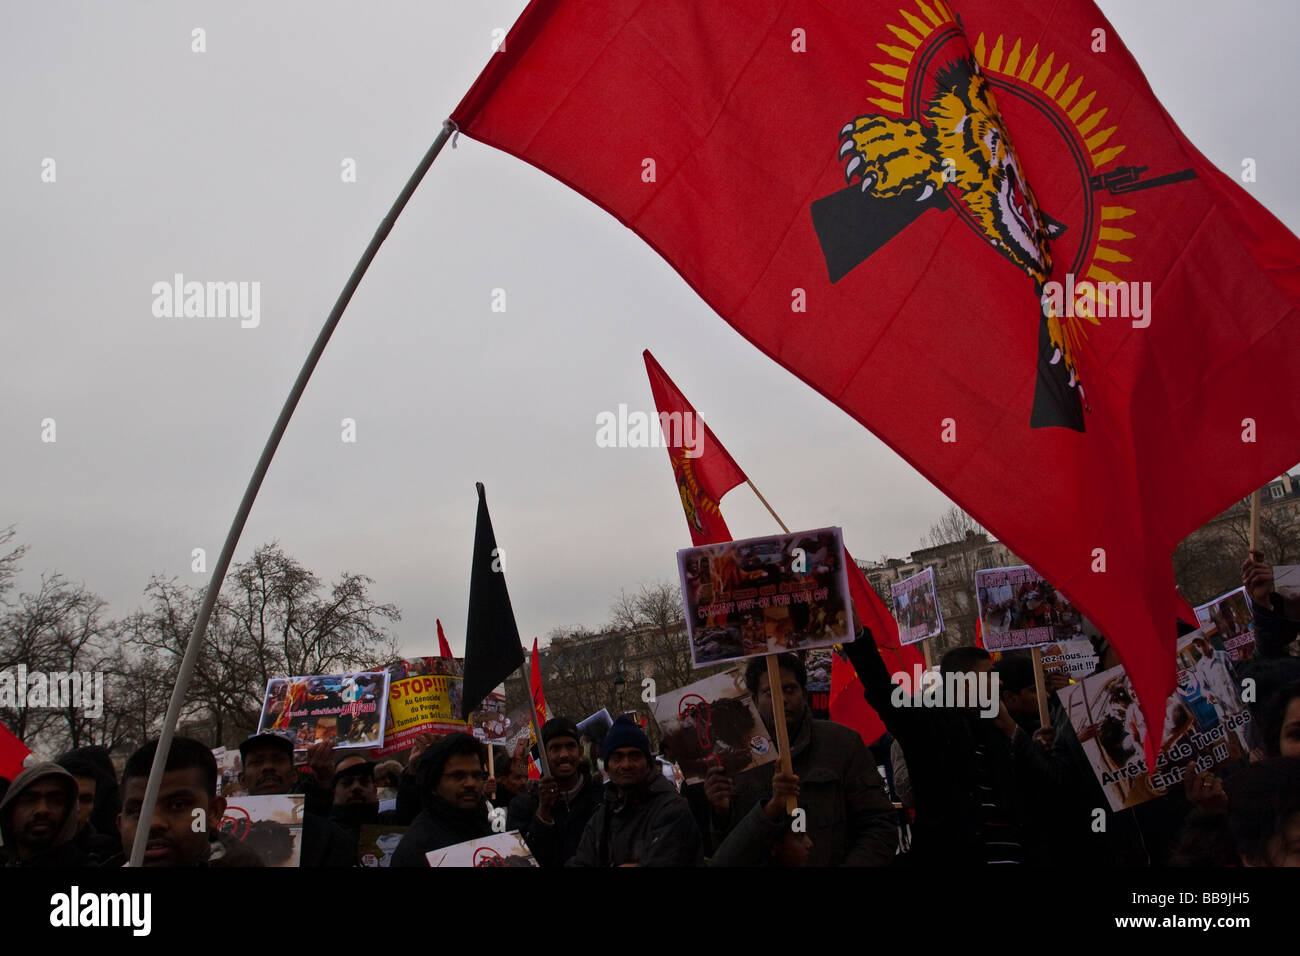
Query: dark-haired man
[970, 807]
[642, 820]
[98, 846]
[185, 828]
[553, 817]
[450, 777]
[267, 760]
[848, 815]
[356, 800]
[38, 819]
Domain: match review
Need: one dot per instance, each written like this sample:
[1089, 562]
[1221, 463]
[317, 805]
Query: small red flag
[12, 753]
[716, 473]
[444, 649]
[702, 469]
[535, 686]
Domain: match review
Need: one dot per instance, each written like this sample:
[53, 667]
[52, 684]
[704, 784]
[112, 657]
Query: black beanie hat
[559, 727]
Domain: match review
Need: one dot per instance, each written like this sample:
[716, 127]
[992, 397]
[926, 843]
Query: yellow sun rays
[929, 16]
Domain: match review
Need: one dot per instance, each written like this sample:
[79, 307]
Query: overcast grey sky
[226, 166]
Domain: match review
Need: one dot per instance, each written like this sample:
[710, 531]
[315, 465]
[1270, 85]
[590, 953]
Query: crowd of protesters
[962, 788]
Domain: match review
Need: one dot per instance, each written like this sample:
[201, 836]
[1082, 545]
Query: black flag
[492, 649]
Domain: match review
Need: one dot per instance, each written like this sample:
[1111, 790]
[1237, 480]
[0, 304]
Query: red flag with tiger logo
[972, 226]
[847, 704]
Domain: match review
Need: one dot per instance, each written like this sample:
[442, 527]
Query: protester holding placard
[450, 777]
[962, 766]
[268, 769]
[1271, 667]
[642, 820]
[846, 812]
[552, 817]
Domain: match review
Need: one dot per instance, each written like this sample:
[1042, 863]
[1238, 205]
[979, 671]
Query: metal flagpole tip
[479, 486]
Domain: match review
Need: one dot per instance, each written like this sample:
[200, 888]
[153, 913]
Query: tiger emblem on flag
[964, 144]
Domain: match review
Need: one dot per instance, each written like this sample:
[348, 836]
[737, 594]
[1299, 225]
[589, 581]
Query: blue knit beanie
[625, 733]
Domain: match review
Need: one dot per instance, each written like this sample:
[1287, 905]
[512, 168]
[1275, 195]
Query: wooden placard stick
[1040, 687]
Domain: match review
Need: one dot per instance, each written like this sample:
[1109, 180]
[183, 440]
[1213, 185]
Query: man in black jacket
[970, 808]
[451, 776]
[268, 769]
[356, 801]
[847, 814]
[642, 820]
[552, 818]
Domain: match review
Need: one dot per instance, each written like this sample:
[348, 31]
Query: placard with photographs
[1286, 582]
[713, 722]
[499, 849]
[765, 595]
[1078, 659]
[229, 769]
[1206, 724]
[271, 826]
[496, 726]
[1018, 608]
[346, 710]
[916, 607]
[1228, 620]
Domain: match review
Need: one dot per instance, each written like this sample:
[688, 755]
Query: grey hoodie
[63, 852]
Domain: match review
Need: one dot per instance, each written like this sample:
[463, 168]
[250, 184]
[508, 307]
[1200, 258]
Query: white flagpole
[255, 484]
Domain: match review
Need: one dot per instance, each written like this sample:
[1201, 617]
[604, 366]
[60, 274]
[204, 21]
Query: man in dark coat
[552, 818]
[450, 776]
[642, 820]
[848, 815]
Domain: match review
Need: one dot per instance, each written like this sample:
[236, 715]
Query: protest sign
[1205, 724]
[1078, 659]
[376, 843]
[499, 849]
[229, 768]
[595, 726]
[765, 595]
[817, 665]
[1228, 620]
[424, 696]
[1018, 608]
[496, 727]
[713, 722]
[916, 607]
[271, 826]
[347, 710]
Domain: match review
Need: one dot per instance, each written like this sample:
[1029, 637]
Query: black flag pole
[254, 485]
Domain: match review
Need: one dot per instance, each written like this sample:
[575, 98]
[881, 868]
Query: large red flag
[1087, 340]
[715, 473]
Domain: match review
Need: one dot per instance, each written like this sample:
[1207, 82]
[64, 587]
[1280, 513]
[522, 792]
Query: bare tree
[274, 619]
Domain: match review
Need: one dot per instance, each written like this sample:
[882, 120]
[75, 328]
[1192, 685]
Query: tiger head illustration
[960, 142]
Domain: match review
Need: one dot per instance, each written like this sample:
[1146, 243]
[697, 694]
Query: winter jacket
[649, 825]
[439, 825]
[849, 817]
[64, 851]
[939, 745]
[553, 844]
